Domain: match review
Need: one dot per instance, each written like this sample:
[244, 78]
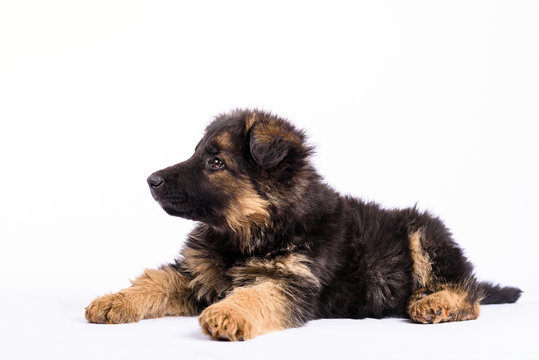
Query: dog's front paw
[112, 309]
[226, 322]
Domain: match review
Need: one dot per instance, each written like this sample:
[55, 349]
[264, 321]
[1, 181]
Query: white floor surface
[52, 326]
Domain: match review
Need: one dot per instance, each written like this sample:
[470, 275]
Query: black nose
[155, 181]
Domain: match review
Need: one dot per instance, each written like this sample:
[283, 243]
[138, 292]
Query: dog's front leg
[155, 293]
[250, 311]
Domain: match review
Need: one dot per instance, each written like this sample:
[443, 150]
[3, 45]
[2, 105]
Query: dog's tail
[496, 294]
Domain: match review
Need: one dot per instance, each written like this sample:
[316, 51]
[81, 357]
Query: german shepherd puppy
[274, 246]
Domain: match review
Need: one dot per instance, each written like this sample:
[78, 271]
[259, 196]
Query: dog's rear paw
[442, 306]
[430, 312]
[225, 322]
[112, 309]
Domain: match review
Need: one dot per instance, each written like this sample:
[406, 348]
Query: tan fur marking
[206, 279]
[293, 264]
[422, 266]
[246, 209]
[155, 293]
[449, 304]
[250, 121]
[265, 132]
[224, 141]
[247, 312]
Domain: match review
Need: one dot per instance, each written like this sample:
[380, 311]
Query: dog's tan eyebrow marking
[224, 141]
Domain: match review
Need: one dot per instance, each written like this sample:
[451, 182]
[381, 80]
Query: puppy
[274, 246]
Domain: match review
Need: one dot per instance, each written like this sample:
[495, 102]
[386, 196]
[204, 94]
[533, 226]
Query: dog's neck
[275, 237]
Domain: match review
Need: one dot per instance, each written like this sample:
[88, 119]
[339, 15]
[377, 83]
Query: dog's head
[248, 165]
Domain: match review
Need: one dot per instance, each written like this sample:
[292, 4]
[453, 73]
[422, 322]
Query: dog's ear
[268, 152]
[271, 141]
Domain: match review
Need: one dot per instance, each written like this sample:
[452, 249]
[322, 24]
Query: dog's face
[242, 169]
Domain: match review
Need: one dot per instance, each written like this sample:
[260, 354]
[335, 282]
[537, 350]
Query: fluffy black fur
[359, 251]
[266, 216]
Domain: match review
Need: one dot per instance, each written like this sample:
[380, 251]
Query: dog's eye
[216, 163]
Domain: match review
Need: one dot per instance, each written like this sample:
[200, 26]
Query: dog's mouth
[169, 199]
[175, 203]
[187, 214]
[179, 209]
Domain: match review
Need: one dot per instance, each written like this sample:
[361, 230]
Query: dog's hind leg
[155, 293]
[445, 288]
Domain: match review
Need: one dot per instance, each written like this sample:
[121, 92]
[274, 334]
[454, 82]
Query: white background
[426, 102]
